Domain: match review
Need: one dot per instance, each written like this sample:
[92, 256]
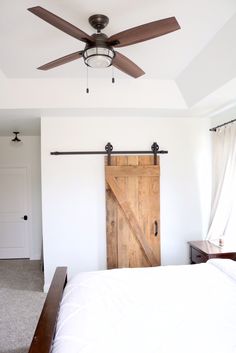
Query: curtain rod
[216, 127]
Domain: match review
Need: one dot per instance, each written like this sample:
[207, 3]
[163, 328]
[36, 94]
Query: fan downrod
[98, 21]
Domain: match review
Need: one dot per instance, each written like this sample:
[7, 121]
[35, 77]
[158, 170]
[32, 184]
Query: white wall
[27, 154]
[224, 116]
[71, 94]
[73, 188]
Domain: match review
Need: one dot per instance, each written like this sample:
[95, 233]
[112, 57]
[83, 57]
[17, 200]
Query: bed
[167, 309]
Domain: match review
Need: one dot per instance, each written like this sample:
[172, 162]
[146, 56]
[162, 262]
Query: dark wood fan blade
[144, 32]
[61, 61]
[61, 24]
[124, 64]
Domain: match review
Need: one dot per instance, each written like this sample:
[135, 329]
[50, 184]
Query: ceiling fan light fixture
[99, 49]
[98, 57]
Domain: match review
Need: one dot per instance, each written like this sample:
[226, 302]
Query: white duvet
[168, 309]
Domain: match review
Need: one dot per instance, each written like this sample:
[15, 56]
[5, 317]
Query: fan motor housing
[98, 22]
[100, 41]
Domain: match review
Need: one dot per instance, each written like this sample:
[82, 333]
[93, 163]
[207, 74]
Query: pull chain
[113, 76]
[87, 89]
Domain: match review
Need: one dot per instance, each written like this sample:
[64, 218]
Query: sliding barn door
[133, 211]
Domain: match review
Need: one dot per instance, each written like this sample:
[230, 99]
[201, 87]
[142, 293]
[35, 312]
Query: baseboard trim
[35, 257]
[46, 287]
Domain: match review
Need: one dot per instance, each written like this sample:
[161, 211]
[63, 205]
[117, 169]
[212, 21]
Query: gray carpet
[21, 301]
[21, 274]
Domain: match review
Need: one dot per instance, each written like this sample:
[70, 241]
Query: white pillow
[225, 265]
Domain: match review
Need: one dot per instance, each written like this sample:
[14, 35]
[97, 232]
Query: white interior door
[14, 232]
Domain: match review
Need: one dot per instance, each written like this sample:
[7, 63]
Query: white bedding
[168, 309]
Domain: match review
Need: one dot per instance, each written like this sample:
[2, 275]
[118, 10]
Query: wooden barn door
[133, 211]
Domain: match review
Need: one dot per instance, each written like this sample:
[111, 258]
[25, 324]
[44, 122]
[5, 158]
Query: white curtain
[224, 181]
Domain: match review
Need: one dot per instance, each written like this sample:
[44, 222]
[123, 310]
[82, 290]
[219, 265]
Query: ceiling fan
[99, 48]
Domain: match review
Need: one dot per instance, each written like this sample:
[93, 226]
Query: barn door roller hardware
[109, 151]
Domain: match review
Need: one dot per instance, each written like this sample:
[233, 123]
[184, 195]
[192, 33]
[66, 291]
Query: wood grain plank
[135, 251]
[111, 224]
[133, 170]
[123, 227]
[130, 216]
[144, 161]
[141, 189]
[149, 206]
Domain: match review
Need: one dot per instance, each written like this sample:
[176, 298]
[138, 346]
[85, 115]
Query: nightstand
[201, 251]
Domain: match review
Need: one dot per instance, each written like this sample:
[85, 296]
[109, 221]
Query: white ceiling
[27, 42]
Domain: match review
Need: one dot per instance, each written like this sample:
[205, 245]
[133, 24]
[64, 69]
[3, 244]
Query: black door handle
[156, 228]
[25, 217]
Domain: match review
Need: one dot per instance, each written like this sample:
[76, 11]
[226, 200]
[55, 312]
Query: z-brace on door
[133, 212]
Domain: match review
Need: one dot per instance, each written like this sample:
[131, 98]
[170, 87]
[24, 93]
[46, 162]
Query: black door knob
[25, 218]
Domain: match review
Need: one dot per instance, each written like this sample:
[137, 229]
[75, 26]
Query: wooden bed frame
[45, 330]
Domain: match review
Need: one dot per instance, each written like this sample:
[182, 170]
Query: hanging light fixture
[16, 139]
[98, 54]
[98, 57]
